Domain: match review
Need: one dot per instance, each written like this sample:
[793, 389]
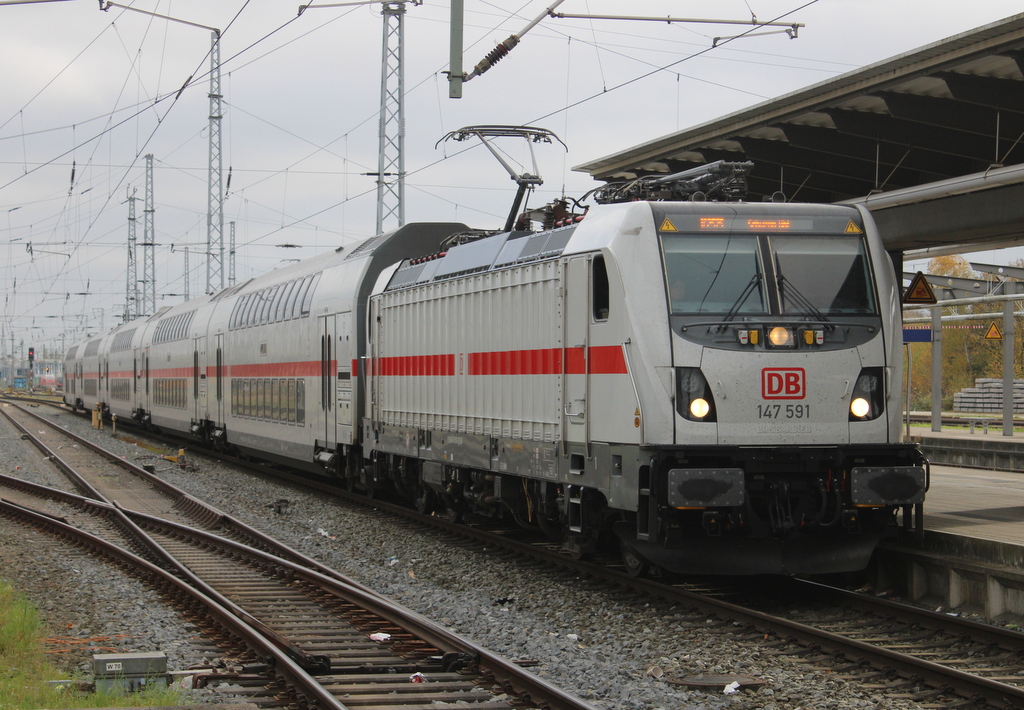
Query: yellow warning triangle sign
[993, 332]
[919, 291]
[667, 226]
[852, 228]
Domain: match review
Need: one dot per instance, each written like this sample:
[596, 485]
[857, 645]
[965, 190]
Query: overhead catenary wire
[345, 136]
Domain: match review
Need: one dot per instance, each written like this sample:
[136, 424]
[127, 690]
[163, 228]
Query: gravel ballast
[612, 648]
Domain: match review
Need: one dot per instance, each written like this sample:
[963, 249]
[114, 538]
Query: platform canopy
[931, 140]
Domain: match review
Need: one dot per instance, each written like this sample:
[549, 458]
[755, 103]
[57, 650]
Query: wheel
[424, 500]
[636, 566]
[454, 514]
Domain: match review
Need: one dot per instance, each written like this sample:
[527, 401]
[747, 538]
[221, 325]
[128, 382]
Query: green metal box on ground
[129, 671]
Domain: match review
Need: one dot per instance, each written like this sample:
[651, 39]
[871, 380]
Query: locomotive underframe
[775, 510]
[788, 510]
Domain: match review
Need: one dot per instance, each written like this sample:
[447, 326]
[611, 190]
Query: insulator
[495, 55]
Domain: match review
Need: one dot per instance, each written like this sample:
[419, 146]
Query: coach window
[275, 296]
[233, 320]
[300, 402]
[291, 401]
[261, 399]
[307, 299]
[253, 309]
[243, 312]
[599, 289]
[291, 308]
[282, 301]
[261, 308]
[236, 317]
[300, 296]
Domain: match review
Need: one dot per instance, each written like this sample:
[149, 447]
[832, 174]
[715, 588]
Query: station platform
[980, 443]
[971, 557]
[977, 482]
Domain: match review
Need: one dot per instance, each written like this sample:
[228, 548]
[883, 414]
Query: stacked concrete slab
[987, 397]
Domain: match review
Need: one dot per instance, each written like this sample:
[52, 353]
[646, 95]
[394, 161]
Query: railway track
[928, 656]
[309, 619]
[934, 658]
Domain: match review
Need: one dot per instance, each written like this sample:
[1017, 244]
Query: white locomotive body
[715, 387]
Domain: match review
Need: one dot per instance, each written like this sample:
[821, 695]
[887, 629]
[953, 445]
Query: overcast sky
[91, 93]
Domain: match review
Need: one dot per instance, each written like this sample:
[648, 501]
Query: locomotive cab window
[825, 274]
[599, 289]
[713, 274]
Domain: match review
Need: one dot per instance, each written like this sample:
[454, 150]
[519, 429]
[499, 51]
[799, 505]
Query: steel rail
[202, 511]
[301, 686]
[527, 684]
[506, 672]
[150, 546]
[964, 684]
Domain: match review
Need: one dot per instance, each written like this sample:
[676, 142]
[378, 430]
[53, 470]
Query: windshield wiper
[744, 295]
[801, 300]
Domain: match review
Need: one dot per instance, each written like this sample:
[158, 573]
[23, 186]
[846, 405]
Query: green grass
[24, 668]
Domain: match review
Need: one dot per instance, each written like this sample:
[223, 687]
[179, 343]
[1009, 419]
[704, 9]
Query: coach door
[142, 378]
[576, 311]
[344, 392]
[199, 379]
[328, 377]
[219, 380]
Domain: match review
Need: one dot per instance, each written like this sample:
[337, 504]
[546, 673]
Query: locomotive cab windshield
[783, 277]
[812, 276]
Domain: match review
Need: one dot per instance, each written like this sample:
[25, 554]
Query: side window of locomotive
[828, 274]
[599, 289]
[713, 274]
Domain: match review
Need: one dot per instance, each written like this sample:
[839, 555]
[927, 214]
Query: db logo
[783, 383]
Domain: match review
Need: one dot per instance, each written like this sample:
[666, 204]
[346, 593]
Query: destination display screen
[759, 224]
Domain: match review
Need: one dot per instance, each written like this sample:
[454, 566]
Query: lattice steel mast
[148, 247]
[391, 151]
[131, 292]
[391, 135]
[215, 202]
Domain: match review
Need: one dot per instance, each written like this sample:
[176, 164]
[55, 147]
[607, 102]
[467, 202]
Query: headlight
[699, 408]
[868, 399]
[859, 407]
[694, 400]
[781, 337]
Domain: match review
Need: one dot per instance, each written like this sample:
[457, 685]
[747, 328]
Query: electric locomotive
[712, 386]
